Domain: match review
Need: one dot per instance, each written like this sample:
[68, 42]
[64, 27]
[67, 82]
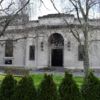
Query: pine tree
[68, 89]
[7, 88]
[91, 88]
[47, 89]
[25, 89]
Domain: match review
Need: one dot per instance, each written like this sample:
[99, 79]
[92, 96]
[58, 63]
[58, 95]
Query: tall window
[9, 48]
[32, 52]
[81, 52]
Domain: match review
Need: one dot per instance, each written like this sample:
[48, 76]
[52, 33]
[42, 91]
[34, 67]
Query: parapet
[56, 19]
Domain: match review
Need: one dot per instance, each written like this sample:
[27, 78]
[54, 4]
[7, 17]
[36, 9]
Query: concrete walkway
[58, 72]
[61, 72]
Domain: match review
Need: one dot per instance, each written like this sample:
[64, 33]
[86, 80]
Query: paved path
[59, 72]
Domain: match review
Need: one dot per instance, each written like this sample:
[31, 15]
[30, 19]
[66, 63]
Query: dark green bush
[91, 88]
[47, 89]
[68, 89]
[25, 89]
[7, 88]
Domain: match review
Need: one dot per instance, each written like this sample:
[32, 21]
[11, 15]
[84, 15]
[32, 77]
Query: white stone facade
[38, 34]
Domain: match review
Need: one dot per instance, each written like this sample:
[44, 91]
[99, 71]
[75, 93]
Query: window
[9, 48]
[32, 52]
[81, 52]
[8, 61]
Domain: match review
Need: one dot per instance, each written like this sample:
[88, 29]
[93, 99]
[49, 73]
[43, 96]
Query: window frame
[9, 48]
[32, 52]
[81, 52]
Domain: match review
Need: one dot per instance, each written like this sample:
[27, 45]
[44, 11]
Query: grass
[57, 79]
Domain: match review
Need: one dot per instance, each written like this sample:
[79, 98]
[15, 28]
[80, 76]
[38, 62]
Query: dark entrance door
[57, 57]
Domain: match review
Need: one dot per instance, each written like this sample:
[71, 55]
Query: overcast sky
[38, 9]
[45, 9]
[49, 9]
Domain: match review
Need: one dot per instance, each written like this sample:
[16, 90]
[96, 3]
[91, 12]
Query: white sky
[49, 9]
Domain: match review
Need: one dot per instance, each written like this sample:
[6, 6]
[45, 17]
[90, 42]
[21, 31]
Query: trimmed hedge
[68, 89]
[91, 88]
[47, 89]
[25, 89]
[7, 88]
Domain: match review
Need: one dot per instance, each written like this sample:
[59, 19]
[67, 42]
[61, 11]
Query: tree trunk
[86, 59]
[86, 52]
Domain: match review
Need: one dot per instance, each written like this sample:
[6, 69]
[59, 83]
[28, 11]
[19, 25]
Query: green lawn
[57, 79]
[38, 77]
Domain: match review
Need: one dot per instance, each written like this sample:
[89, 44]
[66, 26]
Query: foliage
[91, 88]
[25, 89]
[47, 89]
[68, 89]
[7, 87]
[16, 71]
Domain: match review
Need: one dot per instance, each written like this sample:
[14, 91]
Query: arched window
[56, 40]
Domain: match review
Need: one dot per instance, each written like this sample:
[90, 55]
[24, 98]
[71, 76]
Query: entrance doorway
[56, 48]
[57, 57]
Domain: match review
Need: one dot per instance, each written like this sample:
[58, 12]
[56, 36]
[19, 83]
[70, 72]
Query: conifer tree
[25, 89]
[7, 88]
[68, 89]
[47, 89]
[91, 88]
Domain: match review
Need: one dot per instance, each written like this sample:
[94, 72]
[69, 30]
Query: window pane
[9, 48]
[8, 61]
[32, 52]
[81, 52]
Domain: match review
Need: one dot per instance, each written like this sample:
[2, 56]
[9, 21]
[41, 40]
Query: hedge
[91, 88]
[24, 89]
[68, 89]
[47, 89]
[7, 88]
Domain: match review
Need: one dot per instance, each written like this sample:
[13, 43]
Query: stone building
[48, 42]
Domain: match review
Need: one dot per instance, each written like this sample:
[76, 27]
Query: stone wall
[37, 32]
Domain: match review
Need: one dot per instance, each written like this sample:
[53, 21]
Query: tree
[90, 88]
[25, 90]
[7, 88]
[68, 89]
[82, 10]
[8, 13]
[47, 89]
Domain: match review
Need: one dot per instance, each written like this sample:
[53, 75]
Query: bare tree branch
[71, 30]
[81, 7]
[9, 18]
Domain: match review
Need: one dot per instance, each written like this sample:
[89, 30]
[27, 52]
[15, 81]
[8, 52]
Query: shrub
[91, 88]
[7, 88]
[25, 89]
[68, 89]
[47, 89]
[16, 71]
